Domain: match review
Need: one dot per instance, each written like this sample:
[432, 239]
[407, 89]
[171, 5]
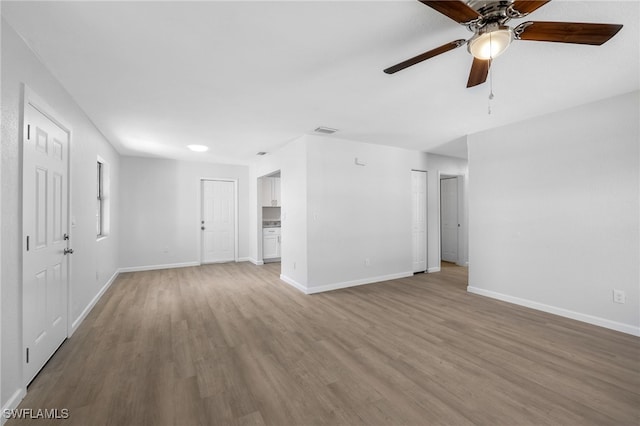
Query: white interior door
[419, 219]
[449, 219]
[45, 221]
[218, 221]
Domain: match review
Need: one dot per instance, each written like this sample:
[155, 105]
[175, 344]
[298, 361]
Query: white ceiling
[242, 77]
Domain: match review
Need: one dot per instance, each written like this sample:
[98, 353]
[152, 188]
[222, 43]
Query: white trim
[255, 262]
[590, 319]
[294, 283]
[433, 269]
[362, 281]
[244, 259]
[76, 323]
[155, 267]
[12, 403]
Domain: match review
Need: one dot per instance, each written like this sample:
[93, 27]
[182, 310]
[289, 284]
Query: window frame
[100, 200]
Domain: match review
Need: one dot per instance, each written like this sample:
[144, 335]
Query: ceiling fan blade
[527, 6]
[456, 10]
[424, 56]
[479, 72]
[567, 32]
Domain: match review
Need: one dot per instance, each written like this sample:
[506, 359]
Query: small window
[103, 197]
[100, 204]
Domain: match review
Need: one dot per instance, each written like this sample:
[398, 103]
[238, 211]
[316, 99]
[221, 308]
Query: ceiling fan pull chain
[491, 96]
[490, 74]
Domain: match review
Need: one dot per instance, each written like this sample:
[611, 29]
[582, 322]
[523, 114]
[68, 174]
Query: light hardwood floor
[232, 344]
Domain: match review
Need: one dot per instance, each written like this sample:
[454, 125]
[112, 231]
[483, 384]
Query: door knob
[68, 251]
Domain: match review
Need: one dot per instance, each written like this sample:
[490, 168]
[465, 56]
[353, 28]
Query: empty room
[391, 212]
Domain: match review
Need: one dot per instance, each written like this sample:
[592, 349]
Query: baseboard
[353, 283]
[244, 259]
[75, 324]
[12, 404]
[433, 269]
[294, 283]
[156, 267]
[256, 262]
[590, 319]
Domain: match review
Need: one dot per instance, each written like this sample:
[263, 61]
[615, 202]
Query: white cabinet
[270, 243]
[271, 192]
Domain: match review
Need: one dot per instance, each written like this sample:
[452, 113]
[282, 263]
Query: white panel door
[449, 219]
[419, 220]
[45, 221]
[218, 221]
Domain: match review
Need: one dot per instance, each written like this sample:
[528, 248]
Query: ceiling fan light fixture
[491, 42]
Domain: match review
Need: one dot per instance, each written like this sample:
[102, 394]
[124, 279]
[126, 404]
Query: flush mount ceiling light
[198, 148]
[490, 42]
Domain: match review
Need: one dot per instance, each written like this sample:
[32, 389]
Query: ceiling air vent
[325, 130]
[261, 153]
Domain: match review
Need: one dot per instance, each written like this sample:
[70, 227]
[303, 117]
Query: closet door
[419, 220]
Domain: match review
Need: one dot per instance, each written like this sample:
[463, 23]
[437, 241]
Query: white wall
[336, 214]
[93, 263]
[358, 212]
[439, 165]
[553, 212]
[160, 210]
[291, 160]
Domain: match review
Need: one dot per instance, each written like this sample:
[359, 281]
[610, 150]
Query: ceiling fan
[487, 20]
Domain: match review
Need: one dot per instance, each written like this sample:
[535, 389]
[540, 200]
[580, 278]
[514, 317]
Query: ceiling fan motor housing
[491, 12]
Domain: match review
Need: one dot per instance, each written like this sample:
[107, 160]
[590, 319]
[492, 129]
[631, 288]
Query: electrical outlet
[619, 296]
[367, 262]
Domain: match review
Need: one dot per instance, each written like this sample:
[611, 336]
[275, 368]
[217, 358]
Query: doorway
[270, 219]
[218, 221]
[45, 227]
[450, 219]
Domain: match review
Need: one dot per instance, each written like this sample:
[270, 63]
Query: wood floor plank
[231, 344]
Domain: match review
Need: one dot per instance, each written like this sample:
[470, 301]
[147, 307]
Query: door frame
[235, 215]
[460, 180]
[30, 98]
[259, 252]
